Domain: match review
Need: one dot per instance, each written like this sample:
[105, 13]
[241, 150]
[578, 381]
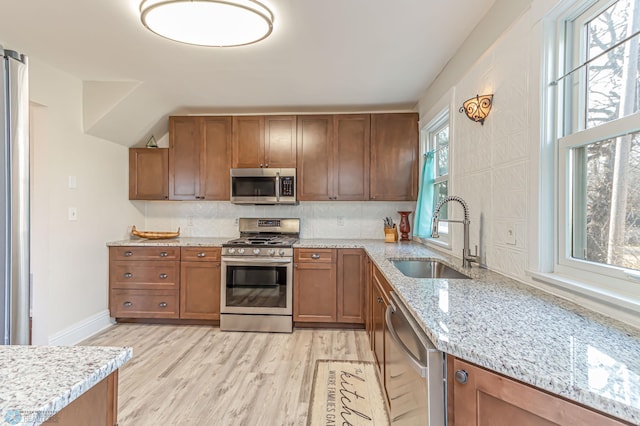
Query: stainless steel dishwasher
[415, 371]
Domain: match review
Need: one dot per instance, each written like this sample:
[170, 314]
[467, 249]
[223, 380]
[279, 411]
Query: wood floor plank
[198, 375]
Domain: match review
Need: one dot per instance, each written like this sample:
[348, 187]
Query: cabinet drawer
[315, 255]
[200, 254]
[144, 274]
[144, 253]
[144, 303]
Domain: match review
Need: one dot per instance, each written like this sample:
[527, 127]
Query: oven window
[253, 186]
[257, 286]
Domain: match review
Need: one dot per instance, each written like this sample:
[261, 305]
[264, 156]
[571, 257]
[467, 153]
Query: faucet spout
[467, 257]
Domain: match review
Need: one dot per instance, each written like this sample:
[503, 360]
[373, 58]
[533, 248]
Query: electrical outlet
[236, 221]
[510, 234]
[190, 221]
[340, 220]
[73, 213]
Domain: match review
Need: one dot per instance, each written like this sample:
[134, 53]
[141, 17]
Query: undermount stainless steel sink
[427, 268]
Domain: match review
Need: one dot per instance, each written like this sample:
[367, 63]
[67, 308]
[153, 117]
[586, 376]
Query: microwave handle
[277, 186]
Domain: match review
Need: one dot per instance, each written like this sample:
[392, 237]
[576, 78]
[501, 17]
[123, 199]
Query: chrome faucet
[467, 257]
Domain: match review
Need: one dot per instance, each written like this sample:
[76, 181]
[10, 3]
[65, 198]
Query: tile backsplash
[318, 219]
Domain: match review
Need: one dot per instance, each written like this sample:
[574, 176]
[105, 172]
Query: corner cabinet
[199, 157]
[148, 174]
[481, 397]
[394, 157]
[264, 141]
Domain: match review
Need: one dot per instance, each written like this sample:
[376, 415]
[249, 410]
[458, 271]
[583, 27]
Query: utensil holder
[391, 234]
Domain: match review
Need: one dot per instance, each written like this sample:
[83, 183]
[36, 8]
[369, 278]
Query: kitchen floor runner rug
[346, 393]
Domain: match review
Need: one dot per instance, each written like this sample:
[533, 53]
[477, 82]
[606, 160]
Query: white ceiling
[323, 56]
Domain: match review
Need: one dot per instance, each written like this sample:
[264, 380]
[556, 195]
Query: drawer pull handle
[379, 299]
[128, 304]
[164, 254]
[128, 275]
[128, 253]
[162, 304]
[202, 254]
[163, 276]
[315, 256]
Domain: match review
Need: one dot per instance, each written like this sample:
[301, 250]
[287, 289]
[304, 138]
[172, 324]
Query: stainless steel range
[257, 276]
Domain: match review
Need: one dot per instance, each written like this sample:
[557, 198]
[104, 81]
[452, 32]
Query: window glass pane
[440, 192]
[612, 79]
[441, 145]
[606, 202]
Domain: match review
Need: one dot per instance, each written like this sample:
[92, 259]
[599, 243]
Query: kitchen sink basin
[426, 268]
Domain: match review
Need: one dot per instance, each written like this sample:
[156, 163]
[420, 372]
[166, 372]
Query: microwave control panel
[286, 186]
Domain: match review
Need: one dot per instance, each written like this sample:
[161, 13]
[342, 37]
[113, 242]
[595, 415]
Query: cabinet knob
[261, 165]
[315, 256]
[128, 275]
[164, 254]
[162, 304]
[295, 265]
[163, 276]
[461, 376]
[373, 197]
[202, 254]
[266, 165]
[127, 304]
[128, 253]
[379, 299]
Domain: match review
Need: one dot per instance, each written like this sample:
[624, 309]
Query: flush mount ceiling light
[477, 109]
[208, 22]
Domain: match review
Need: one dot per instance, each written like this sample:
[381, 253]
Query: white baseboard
[82, 330]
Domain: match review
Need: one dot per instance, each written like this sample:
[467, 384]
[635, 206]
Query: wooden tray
[154, 235]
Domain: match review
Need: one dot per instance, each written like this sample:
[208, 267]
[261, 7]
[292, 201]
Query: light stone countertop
[36, 382]
[513, 329]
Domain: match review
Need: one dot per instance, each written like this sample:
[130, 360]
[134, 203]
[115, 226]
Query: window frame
[607, 283]
[427, 143]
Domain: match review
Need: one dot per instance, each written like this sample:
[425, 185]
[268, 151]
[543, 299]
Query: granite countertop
[39, 381]
[173, 242]
[513, 329]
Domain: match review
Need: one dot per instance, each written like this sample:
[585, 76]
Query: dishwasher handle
[423, 370]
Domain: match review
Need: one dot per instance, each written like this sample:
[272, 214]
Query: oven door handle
[269, 261]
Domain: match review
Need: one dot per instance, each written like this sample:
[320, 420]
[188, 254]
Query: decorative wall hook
[477, 109]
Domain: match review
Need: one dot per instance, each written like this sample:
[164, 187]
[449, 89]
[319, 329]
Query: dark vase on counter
[404, 226]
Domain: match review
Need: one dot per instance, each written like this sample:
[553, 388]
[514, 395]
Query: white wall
[317, 219]
[72, 269]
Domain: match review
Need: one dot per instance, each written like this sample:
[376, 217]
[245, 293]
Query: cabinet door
[185, 142]
[488, 398]
[394, 157]
[216, 158]
[200, 290]
[315, 158]
[314, 292]
[248, 141]
[351, 286]
[280, 141]
[351, 157]
[148, 174]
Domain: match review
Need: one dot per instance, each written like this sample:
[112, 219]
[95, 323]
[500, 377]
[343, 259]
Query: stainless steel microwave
[263, 186]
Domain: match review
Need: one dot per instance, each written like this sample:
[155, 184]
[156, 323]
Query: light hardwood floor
[198, 375]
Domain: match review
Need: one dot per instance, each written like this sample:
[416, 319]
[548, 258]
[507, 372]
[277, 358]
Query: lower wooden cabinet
[200, 283]
[481, 397]
[329, 286]
[314, 285]
[143, 284]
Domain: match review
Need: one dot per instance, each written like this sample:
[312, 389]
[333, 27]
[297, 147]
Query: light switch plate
[73, 182]
[510, 234]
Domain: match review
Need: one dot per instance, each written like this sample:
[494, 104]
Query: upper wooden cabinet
[264, 141]
[394, 157]
[333, 157]
[199, 157]
[148, 174]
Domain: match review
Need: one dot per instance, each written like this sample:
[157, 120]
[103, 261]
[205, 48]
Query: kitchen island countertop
[510, 327]
[39, 381]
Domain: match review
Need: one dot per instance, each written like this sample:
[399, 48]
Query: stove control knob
[272, 252]
[232, 250]
[281, 252]
[241, 251]
[256, 251]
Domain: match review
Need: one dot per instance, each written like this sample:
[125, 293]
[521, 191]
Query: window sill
[443, 245]
[591, 291]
